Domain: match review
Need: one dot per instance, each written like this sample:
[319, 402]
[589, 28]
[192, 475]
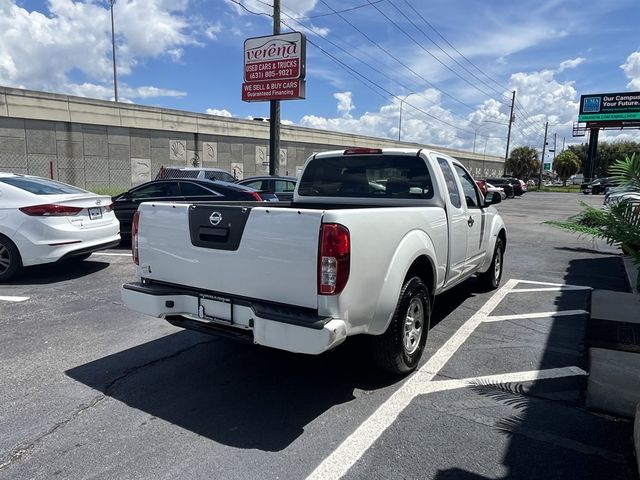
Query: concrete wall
[95, 143]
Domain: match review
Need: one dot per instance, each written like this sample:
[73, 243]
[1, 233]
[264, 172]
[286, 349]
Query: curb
[632, 273]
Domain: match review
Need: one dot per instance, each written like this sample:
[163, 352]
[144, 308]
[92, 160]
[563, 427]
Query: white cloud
[632, 70]
[42, 49]
[220, 113]
[212, 31]
[569, 64]
[345, 104]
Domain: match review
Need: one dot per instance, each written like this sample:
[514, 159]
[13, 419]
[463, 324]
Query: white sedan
[44, 221]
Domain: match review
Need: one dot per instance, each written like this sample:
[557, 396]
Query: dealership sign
[614, 108]
[274, 67]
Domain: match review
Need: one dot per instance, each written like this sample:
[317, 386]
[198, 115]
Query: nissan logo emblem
[215, 218]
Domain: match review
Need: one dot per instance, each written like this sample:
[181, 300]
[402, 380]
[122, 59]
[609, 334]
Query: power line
[380, 47]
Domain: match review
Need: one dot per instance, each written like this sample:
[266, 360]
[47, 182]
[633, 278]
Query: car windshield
[41, 186]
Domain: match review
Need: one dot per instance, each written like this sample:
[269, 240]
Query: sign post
[274, 70]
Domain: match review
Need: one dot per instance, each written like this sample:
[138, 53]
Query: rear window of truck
[367, 176]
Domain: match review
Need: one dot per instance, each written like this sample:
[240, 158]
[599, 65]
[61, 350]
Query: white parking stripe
[354, 446]
[551, 284]
[4, 298]
[528, 376]
[554, 313]
[549, 289]
[108, 254]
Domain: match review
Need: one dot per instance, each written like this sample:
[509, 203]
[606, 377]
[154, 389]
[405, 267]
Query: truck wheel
[490, 280]
[10, 261]
[398, 350]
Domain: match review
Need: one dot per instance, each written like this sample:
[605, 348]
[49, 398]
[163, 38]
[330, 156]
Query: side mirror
[492, 198]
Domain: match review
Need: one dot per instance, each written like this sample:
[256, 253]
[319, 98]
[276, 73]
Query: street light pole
[475, 132]
[113, 45]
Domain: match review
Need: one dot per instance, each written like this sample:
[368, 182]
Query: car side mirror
[492, 198]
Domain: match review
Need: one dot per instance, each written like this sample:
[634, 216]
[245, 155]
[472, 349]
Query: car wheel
[399, 349]
[10, 261]
[490, 280]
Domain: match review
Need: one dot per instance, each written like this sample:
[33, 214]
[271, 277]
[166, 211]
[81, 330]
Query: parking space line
[551, 284]
[519, 316]
[549, 289]
[108, 254]
[356, 444]
[5, 298]
[516, 377]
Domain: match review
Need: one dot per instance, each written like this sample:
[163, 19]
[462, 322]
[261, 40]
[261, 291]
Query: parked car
[598, 186]
[576, 179]
[45, 221]
[504, 183]
[616, 195]
[518, 185]
[500, 190]
[202, 173]
[282, 187]
[180, 190]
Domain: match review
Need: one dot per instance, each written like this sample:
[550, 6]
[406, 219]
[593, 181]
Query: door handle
[470, 222]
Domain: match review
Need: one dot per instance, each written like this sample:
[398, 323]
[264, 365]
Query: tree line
[524, 163]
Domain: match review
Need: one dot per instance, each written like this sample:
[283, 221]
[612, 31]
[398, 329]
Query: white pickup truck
[371, 237]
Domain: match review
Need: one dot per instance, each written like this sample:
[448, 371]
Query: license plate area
[95, 213]
[213, 308]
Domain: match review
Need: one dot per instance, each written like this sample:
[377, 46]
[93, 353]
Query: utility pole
[544, 149]
[506, 153]
[555, 138]
[274, 108]
[113, 45]
[564, 139]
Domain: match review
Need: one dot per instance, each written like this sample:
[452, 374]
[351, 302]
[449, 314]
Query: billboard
[610, 108]
[274, 67]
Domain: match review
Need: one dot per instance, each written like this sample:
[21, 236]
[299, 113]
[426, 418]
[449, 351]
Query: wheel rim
[497, 264]
[5, 259]
[413, 326]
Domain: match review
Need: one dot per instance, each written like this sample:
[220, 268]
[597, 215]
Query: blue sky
[453, 63]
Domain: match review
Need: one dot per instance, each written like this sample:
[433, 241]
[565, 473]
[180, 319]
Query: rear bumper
[294, 329]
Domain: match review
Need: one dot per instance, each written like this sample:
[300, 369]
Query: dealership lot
[92, 389]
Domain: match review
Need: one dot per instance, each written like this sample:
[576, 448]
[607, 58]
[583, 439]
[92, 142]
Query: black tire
[397, 350]
[10, 261]
[490, 280]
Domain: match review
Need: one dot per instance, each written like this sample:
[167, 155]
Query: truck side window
[452, 186]
[469, 187]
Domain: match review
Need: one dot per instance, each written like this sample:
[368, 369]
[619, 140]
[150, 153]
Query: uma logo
[591, 105]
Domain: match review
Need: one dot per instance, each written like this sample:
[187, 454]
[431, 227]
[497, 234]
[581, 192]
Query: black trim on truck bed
[300, 316]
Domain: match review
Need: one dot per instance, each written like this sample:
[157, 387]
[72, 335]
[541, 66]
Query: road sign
[547, 166]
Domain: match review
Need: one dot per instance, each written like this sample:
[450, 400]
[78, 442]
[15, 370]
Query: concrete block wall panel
[97, 170]
[71, 162]
[118, 136]
[13, 146]
[65, 148]
[40, 137]
[95, 140]
[159, 139]
[40, 165]
[74, 176]
[71, 132]
[140, 144]
[12, 127]
[121, 179]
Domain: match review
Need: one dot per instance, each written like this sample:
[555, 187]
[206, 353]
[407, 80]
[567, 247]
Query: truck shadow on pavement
[235, 394]
[242, 395]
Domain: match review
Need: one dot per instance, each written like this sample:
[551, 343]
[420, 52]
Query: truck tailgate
[249, 251]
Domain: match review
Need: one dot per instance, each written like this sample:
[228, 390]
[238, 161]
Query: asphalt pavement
[91, 389]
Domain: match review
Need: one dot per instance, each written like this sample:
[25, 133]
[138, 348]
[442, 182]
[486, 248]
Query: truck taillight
[134, 238]
[334, 258]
